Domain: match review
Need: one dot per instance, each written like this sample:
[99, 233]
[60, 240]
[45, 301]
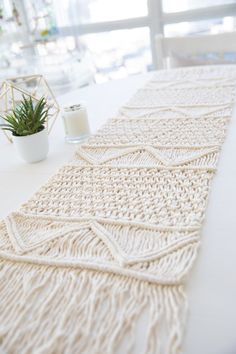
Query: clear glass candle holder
[76, 123]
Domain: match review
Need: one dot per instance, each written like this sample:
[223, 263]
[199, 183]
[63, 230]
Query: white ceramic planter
[32, 148]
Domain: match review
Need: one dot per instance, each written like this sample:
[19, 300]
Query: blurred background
[74, 43]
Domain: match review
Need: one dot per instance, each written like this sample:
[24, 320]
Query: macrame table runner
[104, 248]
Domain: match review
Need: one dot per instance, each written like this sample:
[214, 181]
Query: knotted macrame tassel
[82, 311]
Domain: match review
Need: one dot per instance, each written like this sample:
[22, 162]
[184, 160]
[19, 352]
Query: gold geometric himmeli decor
[35, 86]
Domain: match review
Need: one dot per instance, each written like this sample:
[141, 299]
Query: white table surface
[211, 326]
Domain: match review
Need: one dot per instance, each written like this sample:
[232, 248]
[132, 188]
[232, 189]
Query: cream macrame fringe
[95, 262]
[45, 309]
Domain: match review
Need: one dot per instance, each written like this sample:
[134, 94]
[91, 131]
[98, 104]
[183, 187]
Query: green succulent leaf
[27, 118]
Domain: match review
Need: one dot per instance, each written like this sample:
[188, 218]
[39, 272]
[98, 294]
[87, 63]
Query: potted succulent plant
[27, 125]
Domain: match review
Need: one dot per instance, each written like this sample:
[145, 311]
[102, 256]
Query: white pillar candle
[76, 123]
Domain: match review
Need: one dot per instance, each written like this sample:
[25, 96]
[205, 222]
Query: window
[216, 25]
[117, 54]
[185, 5]
[114, 38]
[66, 13]
[93, 11]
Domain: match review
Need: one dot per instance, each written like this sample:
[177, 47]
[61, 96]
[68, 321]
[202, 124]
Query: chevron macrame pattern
[106, 245]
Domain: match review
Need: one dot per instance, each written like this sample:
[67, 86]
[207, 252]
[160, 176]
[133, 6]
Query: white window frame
[155, 20]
